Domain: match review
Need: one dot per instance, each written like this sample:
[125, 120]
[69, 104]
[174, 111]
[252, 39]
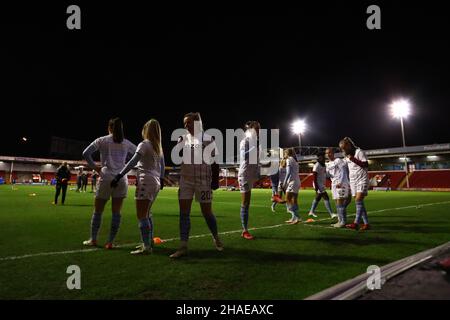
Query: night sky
[234, 64]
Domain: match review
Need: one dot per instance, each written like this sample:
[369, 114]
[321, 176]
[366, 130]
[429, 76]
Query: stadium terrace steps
[403, 182]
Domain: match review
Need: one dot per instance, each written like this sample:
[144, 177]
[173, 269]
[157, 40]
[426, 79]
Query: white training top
[356, 172]
[113, 155]
[292, 164]
[321, 174]
[198, 154]
[338, 171]
[150, 163]
[249, 158]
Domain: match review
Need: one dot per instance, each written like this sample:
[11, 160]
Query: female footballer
[249, 171]
[199, 175]
[149, 161]
[337, 170]
[113, 149]
[291, 185]
[319, 184]
[359, 180]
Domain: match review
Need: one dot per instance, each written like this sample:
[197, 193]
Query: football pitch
[38, 241]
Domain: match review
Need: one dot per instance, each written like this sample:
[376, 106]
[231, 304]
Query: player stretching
[337, 170]
[359, 180]
[320, 176]
[291, 185]
[149, 160]
[248, 172]
[113, 149]
[199, 175]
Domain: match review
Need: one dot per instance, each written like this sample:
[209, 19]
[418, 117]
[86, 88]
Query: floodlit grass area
[283, 262]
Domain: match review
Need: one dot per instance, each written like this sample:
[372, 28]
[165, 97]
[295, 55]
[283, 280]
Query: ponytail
[116, 128]
[290, 152]
[152, 132]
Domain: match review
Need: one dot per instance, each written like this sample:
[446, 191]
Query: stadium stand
[429, 165]
[430, 179]
[426, 179]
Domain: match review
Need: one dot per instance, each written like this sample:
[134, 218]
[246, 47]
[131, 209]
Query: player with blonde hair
[149, 161]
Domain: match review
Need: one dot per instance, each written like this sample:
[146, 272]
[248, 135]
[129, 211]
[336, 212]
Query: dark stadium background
[232, 64]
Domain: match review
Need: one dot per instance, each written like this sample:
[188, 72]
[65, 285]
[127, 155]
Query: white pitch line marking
[40, 254]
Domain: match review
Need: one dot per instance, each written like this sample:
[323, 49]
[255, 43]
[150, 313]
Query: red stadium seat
[430, 179]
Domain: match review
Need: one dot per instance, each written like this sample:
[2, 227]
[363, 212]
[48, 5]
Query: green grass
[287, 262]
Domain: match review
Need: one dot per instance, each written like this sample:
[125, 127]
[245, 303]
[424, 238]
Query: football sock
[115, 224]
[328, 206]
[364, 214]
[314, 206]
[95, 225]
[359, 211]
[185, 226]
[341, 213]
[244, 217]
[294, 211]
[212, 224]
[145, 227]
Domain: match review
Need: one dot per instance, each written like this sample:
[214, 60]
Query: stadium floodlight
[299, 127]
[401, 109]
